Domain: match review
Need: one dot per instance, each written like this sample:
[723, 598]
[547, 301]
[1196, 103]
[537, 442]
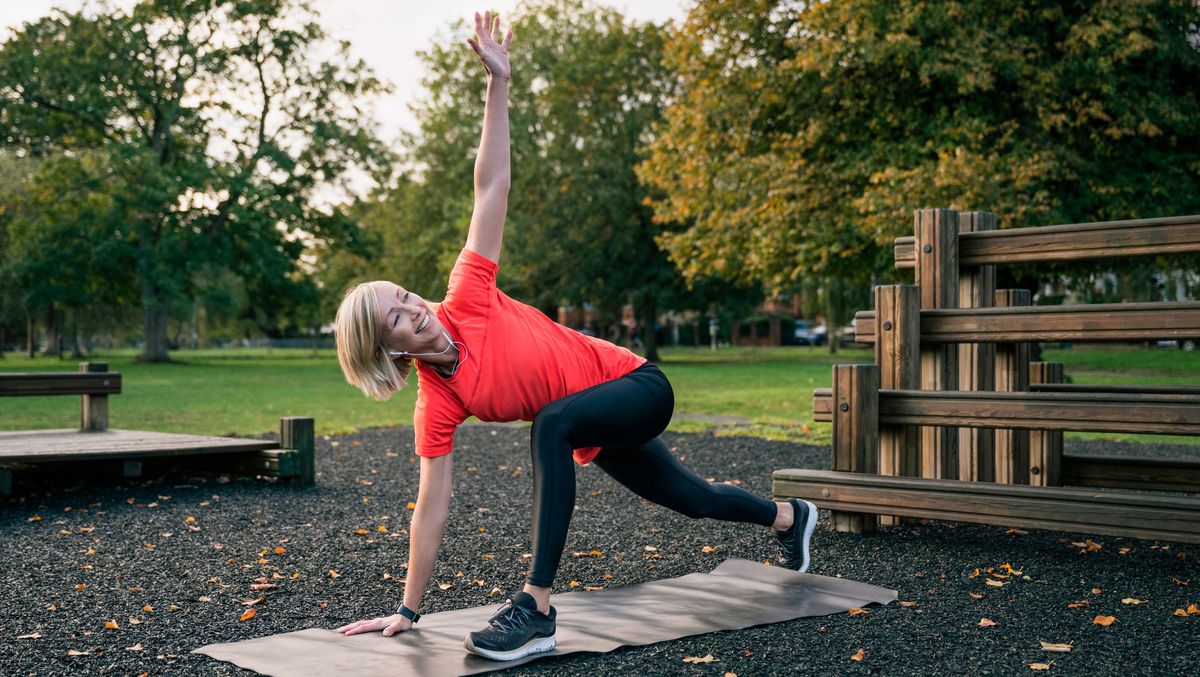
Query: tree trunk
[649, 338]
[154, 323]
[30, 342]
[54, 330]
[76, 346]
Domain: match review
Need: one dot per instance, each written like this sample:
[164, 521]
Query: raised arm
[492, 173]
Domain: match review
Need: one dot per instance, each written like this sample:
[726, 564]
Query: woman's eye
[395, 321]
[406, 297]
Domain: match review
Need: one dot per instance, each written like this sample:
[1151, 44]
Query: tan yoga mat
[737, 594]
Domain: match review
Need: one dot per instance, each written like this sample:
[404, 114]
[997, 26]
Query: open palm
[487, 45]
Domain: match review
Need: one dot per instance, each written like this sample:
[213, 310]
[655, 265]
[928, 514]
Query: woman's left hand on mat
[390, 625]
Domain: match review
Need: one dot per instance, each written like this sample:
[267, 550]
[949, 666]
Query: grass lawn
[765, 392]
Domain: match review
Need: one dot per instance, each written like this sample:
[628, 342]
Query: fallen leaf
[263, 586]
[650, 548]
[1193, 610]
[1057, 648]
[411, 506]
[72, 652]
[995, 584]
[693, 659]
[1182, 584]
[81, 586]
[855, 611]
[148, 609]
[708, 549]
[112, 625]
[1131, 600]
[334, 574]
[1181, 613]
[593, 588]
[858, 655]
[488, 555]
[975, 595]
[190, 519]
[975, 574]
[247, 615]
[32, 635]
[205, 598]
[1104, 620]
[909, 603]
[445, 586]
[280, 551]
[986, 623]
[1039, 666]
[573, 584]
[135, 647]
[1095, 591]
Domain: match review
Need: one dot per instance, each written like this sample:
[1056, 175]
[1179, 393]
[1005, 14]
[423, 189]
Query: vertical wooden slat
[937, 279]
[898, 354]
[298, 433]
[976, 361]
[1012, 375]
[855, 432]
[1045, 446]
[93, 409]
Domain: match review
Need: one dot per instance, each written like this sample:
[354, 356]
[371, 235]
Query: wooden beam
[1071, 242]
[937, 278]
[93, 408]
[1012, 375]
[1094, 511]
[1084, 412]
[298, 433]
[855, 432]
[1045, 446]
[21, 384]
[1086, 322]
[976, 361]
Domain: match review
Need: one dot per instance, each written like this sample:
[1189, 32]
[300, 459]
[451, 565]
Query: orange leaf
[445, 586]
[1181, 613]
[573, 584]
[858, 655]
[1104, 620]
[361, 532]
[247, 615]
[411, 506]
[975, 595]
[855, 611]
[1193, 610]
[112, 625]
[1039, 666]
[708, 549]
[693, 659]
[334, 574]
[909, 603]
[1132, 600]
[986, 623]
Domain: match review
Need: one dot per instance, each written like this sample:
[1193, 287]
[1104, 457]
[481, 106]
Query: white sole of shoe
[539, 645]
[808, 532]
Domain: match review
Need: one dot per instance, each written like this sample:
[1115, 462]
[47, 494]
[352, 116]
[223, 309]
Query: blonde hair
[360, 351]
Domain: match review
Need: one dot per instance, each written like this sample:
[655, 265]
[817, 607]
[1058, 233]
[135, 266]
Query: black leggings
[624, 417]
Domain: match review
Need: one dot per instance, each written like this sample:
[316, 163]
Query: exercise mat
[737, 594]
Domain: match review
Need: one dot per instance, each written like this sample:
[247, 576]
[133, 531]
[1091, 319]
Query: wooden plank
[93, 408]
[1058, 508]
[21, 384]
[1115, 389]
[898, 354]
[63, 445]
[1012, 375]
[1045, 446]
[1173, 320]
[1126, 472]
[976, 361]
[1084, 412]
[855, 431]
[298, 433]
[937, 278]
[1071, 242]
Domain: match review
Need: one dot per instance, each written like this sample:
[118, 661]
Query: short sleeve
[436, 418]
[472, 284]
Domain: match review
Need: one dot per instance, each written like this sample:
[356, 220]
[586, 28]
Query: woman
[481, 353]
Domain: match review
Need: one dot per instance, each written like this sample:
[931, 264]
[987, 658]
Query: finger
[496, 27]
[507, 39]
[478, 24]
[487, 23]
[474, 45]
[392, 629]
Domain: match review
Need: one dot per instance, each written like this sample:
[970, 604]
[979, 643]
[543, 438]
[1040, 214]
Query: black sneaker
[793, 543]
[517, 630]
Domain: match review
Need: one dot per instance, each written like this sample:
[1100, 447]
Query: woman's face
[409, 325]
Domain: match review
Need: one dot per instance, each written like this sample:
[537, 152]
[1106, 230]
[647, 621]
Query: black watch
[408, 613]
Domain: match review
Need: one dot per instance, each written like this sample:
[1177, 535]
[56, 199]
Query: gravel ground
[132, 545]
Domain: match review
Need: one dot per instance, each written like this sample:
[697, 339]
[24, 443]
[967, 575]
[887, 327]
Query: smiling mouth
[424, 324]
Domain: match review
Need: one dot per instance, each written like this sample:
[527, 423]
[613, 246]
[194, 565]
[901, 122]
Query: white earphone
[450, 343]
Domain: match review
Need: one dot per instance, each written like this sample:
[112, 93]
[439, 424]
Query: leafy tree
[217, 126]
[807, 133]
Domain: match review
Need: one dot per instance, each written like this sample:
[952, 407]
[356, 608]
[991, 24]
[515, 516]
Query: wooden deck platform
[34, 446]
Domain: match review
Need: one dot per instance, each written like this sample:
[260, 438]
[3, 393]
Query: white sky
[384, 33]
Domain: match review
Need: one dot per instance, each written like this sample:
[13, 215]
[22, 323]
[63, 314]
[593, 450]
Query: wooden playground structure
[954, 422]
[94, 441]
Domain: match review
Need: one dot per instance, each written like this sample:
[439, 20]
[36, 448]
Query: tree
[217, 127]
[807, 133]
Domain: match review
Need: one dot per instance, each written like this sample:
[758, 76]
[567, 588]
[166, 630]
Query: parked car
[810, 333]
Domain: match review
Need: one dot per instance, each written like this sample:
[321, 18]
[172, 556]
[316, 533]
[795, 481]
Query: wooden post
[976, 361]
[1045, 446]
[898, 354]
[1012, 375]
[5, 481]
[855, 432]
[298, 433]
[93, 409]
[937, 278]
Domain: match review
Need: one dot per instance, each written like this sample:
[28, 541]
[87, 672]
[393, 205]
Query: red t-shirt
[517, 361]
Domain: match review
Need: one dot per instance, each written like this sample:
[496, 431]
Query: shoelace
[506, 619]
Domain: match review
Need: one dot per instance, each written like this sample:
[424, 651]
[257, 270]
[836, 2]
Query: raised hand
[487, 45]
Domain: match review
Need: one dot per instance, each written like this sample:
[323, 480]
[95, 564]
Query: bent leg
[652, 472]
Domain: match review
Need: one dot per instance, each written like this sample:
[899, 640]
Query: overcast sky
[385, 33]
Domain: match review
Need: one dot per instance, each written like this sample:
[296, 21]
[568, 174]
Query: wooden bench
[291, 457]
[953, 406]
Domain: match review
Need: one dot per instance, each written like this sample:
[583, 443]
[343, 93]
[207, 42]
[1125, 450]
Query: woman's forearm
[492, 171]
[425, 538]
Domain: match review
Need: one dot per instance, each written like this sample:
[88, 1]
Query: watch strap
[408, 613]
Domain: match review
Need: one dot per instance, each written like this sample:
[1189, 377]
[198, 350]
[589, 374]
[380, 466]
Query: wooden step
[1088, 511]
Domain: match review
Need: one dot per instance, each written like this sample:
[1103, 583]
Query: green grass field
[765, 392]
